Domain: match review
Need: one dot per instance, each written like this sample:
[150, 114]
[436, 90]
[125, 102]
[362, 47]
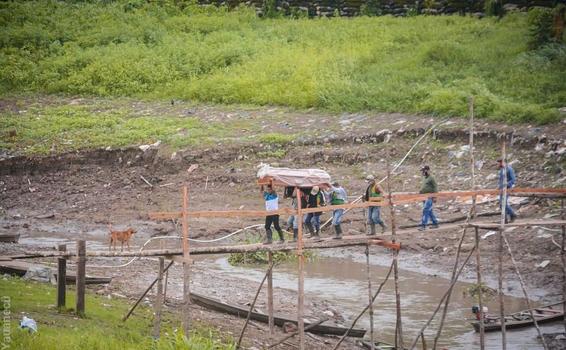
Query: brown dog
[122, 236]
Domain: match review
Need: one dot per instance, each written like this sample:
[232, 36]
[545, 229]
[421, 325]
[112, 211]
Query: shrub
[540, 27]
[260, 257]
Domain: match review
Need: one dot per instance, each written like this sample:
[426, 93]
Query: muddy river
[343, 283]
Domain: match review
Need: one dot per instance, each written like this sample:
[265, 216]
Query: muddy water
[343, 283]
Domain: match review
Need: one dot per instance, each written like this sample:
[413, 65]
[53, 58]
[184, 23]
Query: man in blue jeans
[429, 186]
[374, 189]
[510, 215]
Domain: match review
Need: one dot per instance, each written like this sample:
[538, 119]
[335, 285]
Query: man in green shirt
[429, 186]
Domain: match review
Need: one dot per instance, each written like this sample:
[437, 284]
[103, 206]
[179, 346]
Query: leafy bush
[260, 257]
[276, 139]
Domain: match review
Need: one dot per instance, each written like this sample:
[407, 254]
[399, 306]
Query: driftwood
[282, 340]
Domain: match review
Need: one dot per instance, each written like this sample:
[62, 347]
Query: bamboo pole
[253, 305]
[500, 251]
[158, 300]
[370, 300]
[398, 322]
[563, 256]
[447, 299]
[365, 309]
[61, 278]
[480, 287]
[271, 320]
[301, 287]
[524, 289]
[186, 265]
[470, 215]
[81, 276]
[125, 318]
[450, 287]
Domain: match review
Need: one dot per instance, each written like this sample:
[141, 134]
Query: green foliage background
[422, 64]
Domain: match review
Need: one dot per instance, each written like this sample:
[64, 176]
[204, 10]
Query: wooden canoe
[9, 237]
[543, 314]
[19, 268]
[239, 311]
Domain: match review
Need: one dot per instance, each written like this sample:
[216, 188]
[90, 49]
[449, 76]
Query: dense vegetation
[423, 64]
[102, 328]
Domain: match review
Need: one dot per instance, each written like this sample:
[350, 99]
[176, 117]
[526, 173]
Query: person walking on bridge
[315, 200]
[337, 196]
[504, 168]
[271, 204]
[374, 190]
[429, 186]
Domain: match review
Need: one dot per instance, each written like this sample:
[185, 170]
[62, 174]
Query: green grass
[101, 328]
[423, 64]
[66, 128]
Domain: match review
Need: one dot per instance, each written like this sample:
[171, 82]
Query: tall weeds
[422, 64]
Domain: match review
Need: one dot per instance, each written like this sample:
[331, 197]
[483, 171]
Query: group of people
[316, 197]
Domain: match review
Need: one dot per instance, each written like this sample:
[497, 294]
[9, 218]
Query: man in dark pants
[429, 186]
[315, 200]
[271, 204]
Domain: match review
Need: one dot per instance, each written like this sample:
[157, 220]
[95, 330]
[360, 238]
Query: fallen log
[346, 241]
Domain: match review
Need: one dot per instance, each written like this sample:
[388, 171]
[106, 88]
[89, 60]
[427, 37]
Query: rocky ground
[63, 197]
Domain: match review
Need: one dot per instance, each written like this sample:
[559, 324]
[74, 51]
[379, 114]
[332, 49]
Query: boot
[310, 228]
[281, 237]
[316, 235]
[295, 234]
[372, 230]
[338, 231]
[383, 226]
[269, 237]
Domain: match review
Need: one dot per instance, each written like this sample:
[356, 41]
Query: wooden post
[398, 323]
[165, 286]
[365, 308]
[563, 256]
[186, 265]
[252, 307]
[61, 278]
[500, 250]
[525, 293]
[81, 270]
[158, 300]
[301, 305]
[370, 298]
[480, 286]
[271, 321]
[469, 216]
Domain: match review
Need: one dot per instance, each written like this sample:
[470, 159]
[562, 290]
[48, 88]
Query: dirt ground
[76, 195]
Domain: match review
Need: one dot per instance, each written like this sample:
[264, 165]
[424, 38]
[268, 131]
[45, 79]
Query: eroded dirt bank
[76, 195]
